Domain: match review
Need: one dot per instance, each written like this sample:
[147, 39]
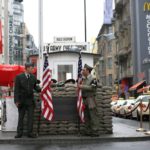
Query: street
[130, 122]
[102, 146]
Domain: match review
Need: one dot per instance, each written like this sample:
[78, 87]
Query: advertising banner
[140, 28]
[108, 11]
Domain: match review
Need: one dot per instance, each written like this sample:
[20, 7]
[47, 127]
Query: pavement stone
[121, 133]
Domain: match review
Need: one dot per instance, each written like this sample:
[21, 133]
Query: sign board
[65, 109]
[11, 39]
[140, 29]
[64, 39]
[54, 47]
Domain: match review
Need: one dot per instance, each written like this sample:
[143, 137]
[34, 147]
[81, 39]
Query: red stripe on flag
[1, 43]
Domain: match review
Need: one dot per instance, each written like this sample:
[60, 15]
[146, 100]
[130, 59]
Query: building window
[109, 63]
[110, 79]
[110, 30]
[65, 72]
[109, 47]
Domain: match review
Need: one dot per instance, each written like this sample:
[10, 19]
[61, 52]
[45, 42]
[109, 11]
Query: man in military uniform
[25, 83]
[88, 94]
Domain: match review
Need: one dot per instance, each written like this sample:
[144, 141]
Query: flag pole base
[140, 130]
[147, 133]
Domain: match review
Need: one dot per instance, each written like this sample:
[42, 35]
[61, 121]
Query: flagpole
[85, 20]
[40, 39]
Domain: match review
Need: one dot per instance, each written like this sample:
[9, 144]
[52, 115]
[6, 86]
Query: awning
[9, 72]
[137, 85]
[146, 88]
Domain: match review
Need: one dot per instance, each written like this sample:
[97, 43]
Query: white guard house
[63, 56]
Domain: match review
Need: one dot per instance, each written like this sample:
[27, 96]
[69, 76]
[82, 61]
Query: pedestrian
[25, 83]
[88, 88]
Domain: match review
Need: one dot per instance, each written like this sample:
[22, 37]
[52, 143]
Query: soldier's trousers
[30, 111]
[91, 119]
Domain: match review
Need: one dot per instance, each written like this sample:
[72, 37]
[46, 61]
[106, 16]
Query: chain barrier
[148, 132]
[146, 107]
[141, 129]
[128, 112]
[133, 109]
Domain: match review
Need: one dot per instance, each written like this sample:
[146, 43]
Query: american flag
[46, 96]
[80, 104]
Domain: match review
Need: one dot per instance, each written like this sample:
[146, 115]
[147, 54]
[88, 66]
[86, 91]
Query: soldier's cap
[70, 80]
[38, 81]
[54, 80]
[28, 64]
[88, 67]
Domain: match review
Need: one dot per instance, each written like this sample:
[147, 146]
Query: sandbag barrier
[103, 99]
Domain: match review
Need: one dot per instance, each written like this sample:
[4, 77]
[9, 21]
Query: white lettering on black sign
[52, 47]
[148, 32]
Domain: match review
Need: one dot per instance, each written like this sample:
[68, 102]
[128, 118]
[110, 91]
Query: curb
[72, 140]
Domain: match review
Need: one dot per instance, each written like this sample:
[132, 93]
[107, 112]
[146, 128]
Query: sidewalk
[121, 133]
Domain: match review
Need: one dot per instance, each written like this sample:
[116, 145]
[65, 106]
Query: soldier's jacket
[24, 89]
[88, 92]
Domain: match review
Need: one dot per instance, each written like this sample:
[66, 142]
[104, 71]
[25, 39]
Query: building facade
[106, 67]
[131, 23]
[16, 57]
[4, 22]
[17, 41]
[124, 52]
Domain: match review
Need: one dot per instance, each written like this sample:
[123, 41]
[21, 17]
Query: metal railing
[140, 129]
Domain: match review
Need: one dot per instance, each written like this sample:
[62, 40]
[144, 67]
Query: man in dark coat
[25, 83]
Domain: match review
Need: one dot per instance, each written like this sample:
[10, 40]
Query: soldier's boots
[18, 135]
[31, 135]
[91, 133]
[94, 134]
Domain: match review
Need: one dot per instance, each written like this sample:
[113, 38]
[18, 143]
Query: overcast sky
[64, 18]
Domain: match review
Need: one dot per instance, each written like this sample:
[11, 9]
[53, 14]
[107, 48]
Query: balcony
[113, 20]
[101, 58]
[123, 53]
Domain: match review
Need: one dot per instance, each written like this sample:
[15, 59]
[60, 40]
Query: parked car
[117, 106]
[126, 109]
[113, 105]
[145, 102]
